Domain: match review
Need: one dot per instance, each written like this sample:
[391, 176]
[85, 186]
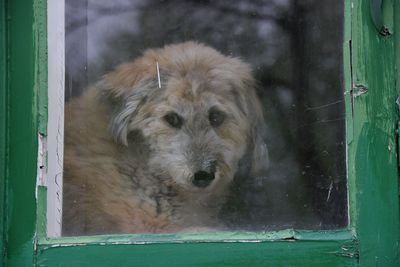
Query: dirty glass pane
[186, 138]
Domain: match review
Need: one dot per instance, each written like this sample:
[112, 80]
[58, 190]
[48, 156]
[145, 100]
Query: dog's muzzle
[203, 179]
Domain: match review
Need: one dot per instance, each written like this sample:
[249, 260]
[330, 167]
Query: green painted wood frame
[372, 238]
[3, 122]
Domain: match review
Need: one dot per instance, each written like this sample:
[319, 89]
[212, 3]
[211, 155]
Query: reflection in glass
[295, 51]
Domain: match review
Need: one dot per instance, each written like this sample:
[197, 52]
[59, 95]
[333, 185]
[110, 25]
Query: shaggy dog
[156, 144]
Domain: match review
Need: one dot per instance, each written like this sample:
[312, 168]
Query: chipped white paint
[41, 162]
[55, 126]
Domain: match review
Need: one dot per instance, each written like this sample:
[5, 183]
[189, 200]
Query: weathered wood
[373, 154]
[372, 118]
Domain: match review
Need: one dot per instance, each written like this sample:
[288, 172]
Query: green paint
[40, 52]
[205, 237]
[22, 139]
[349, 109]
[284, 253]
[397, 42]
[372, 155]
[41, 214]
[372, 239]
[397, 56]
[3, 137]
[347, 71]
[387, 14]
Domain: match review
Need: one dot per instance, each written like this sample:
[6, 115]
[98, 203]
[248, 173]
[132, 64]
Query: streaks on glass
[295, 50]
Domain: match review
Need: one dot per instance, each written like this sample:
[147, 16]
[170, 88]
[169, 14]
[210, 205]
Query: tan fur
[127, 171]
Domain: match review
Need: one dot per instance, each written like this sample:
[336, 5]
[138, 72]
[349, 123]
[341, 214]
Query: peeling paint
[203, 237]
[373, 181]
[55, 128]
[359, 90]
[374, 201]
[349, 250]
[277, 253]
[41, 165]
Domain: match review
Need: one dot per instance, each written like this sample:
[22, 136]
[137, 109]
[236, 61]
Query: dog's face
[199, 114]
[197, 133]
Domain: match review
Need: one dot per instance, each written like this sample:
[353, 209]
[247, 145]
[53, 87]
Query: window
[301, 123]
[371, 121]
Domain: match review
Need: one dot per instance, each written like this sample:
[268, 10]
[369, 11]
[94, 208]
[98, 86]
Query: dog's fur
[127, 170]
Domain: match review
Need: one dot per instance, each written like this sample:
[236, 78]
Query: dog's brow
[238, 102]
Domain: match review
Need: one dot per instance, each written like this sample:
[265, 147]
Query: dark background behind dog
[295, 49]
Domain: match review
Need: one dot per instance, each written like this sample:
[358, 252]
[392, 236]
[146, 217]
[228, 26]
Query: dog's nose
[203, 179]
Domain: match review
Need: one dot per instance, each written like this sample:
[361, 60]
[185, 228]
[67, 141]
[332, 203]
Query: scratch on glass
[329, 191]
[325, 106]
[158, 75]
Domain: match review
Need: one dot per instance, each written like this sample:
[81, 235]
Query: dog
[155, 145]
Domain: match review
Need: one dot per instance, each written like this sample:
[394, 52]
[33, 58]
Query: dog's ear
[128, 88]
[260, 157]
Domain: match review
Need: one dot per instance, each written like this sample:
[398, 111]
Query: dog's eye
[174, 120]
[216, 117]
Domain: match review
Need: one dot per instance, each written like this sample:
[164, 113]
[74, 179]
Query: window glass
[188, 116]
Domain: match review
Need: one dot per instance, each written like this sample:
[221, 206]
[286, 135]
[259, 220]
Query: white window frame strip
[55, 126]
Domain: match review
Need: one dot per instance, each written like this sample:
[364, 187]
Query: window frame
[372, 157]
